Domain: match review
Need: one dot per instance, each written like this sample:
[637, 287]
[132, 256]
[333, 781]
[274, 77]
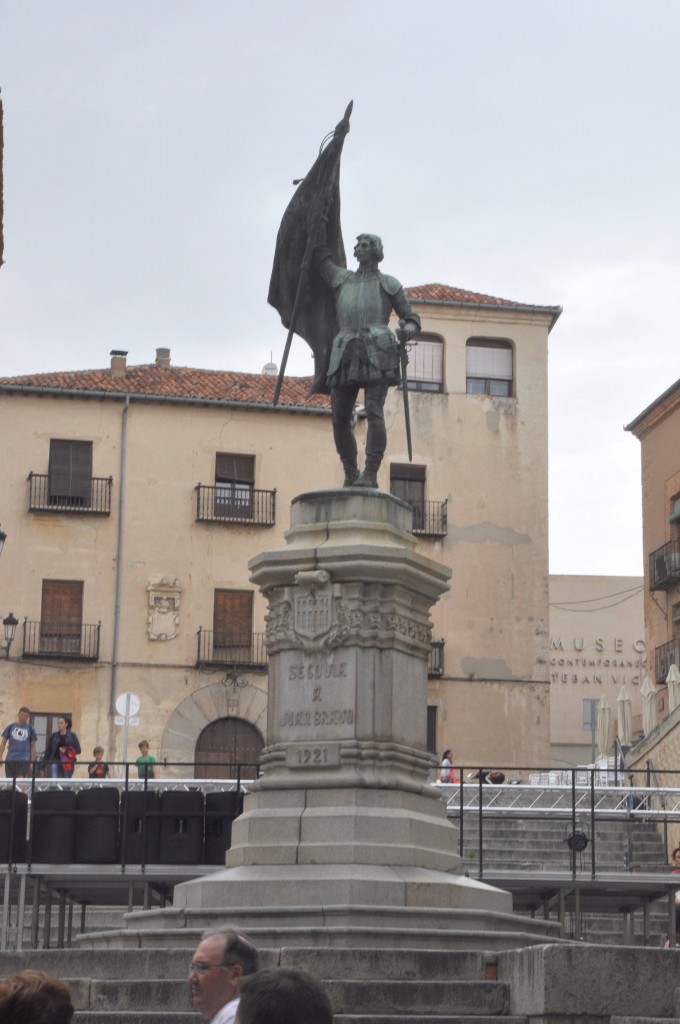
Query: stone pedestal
[343, 834]
[348, 632]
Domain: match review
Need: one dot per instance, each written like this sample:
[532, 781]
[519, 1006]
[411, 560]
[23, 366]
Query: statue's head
[375, 247]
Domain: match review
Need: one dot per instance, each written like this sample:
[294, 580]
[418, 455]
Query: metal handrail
[430, 518]
[55, 640]
[590, 792]
[435, 661]
[248, 506]
[237, 649]
[664, 566]
[665, 655]
[653, 782]
[41, 498]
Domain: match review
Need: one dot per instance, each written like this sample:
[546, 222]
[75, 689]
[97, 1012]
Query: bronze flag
[304, 302]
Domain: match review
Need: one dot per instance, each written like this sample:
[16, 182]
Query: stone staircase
[556, 984]
[539, 843]
[365, 985]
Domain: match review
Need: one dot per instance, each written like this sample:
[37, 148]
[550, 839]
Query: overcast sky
[528, 150]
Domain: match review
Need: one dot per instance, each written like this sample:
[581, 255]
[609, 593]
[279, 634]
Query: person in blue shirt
[20, 739]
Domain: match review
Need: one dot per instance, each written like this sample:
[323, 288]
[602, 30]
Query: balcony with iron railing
[435, 662]
[43, 496]
[247, 650]
[664, 566]
[430, 518]
[59, 640]
[244, 506]
[664, 656]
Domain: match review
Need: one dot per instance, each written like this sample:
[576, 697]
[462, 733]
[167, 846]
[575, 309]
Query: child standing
[98, 769]
[146, 764]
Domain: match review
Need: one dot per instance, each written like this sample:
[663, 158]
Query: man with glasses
[222, 958]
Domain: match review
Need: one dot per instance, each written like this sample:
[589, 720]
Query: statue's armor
[364, 349]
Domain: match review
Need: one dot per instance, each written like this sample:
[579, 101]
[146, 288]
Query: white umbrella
[625, 717]
[673, 682]
[603, 728]
[648, 693]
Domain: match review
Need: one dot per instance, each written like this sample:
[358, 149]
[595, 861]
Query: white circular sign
[127, 704]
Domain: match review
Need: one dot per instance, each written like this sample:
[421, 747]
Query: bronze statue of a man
[342, 314]
[364, 352]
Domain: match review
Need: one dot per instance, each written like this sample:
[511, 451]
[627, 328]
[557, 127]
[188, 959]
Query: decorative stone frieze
[317, 618]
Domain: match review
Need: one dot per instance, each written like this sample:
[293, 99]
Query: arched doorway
[225, 744]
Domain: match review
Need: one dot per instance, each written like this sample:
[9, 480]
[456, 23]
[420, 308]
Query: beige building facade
[134, 497]
[658, 429]
[597, 646]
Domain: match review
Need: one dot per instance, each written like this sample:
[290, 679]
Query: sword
[403, 337]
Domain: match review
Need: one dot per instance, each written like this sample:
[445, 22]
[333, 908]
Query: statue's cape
[316, 198]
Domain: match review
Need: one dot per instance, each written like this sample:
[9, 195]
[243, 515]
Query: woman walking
[447, 773]
[61, 752]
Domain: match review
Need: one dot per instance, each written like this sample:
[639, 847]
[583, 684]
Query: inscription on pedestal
[321, 755]
[317, 699]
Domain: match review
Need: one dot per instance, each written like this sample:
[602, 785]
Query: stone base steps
[554, 984]
[431, 928]
[645, 1020]
[447, 1018]
[165, 1017]
[378, 996]
[365, 985]
[405, 938]
[137, 1017]
[361, 964]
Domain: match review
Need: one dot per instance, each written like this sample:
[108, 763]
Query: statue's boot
[351, 474]
[369, 478]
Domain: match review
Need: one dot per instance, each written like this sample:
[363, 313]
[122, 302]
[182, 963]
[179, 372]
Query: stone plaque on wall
[163, 608]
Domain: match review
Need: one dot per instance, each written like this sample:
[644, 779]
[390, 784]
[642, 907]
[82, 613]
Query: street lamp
[10, 625]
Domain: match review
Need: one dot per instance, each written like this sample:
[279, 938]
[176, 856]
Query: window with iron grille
[70, 473]
[61, 616]
[426, 364]
[234, 482]
[489, 368]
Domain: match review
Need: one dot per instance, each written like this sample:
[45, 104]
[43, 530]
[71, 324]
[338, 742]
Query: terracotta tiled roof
[446, 293]
[180, 382]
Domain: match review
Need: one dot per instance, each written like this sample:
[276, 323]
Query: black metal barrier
[581, 797]
[120, 821]
[14, 818]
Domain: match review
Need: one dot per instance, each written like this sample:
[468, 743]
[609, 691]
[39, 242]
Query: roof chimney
[118, 360]
[162, 357]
